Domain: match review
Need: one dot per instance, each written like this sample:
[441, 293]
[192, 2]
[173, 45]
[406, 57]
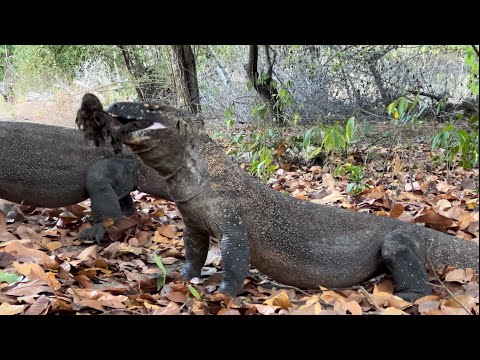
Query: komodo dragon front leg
[234, 249]
[109, 183]
[405, 256]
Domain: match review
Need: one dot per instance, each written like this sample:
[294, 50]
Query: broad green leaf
[159, 263]
[194, 292]
[350, 129]
[9, 278]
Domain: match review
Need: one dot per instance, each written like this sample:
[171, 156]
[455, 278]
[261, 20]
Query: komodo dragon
[293, 241]
[51, 166]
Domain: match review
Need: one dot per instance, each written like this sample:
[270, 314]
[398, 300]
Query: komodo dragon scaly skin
[51, 166]
[293, 241]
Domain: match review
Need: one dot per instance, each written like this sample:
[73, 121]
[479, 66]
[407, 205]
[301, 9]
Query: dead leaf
[392, 311]
[53, 245]
[385, 286]
[457, 275]
[329, 199]
[328, 181]
[224, 311]
[26, 233]
[7, 309]
[39, 306]
[90, 251]
[84, 281]
[396, 210]
[468, 302]
[171, 309]
[166, 231]
[266, 309]
[177, 297]
[6, 259]
[435, 220]
[29, 288]
[341, 307]
[427, 306]
[443, 187]
[20, 249]
[448, 310]
[312, 309]
[280, 299]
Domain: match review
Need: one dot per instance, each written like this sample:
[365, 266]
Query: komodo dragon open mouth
[118, 122]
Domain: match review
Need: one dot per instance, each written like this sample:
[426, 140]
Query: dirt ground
[60, 111]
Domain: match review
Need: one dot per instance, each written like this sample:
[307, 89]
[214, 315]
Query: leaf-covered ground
[44, 269]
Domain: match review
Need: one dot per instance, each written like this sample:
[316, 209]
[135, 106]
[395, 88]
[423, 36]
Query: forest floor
[44, 269]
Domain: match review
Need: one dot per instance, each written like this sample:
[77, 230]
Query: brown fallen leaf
[280, 299]
[329, 296]
[26, 233]
[171, 309]
[397, 210]
[443, 187]
[53, 245]
[41, 304]
[177, 297]
[328, 181]
[392, 311]
[20, 249]
[84, 281]
[7, 309]
[6, 259]
[312, 309]
[111, 250]
[448, 310]
[341, 307]
[104, 298]
[427, 298]
[330, 199]
[385, 286]
[425, 307]
[89, 252]
[266, 309]
[29, 288]
[224, 311]
[457, 275]
[166, 231]
[433, 219]
[461, 301]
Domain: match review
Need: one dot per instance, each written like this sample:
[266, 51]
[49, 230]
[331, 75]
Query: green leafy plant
[471, 61]
[262, 163]
[407, 111]
[459, 142]
[230, 115]
[161, 279]
[331, 139]
[356, 176]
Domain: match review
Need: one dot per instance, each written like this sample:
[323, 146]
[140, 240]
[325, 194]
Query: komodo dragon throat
[52, 166]
[293, 241]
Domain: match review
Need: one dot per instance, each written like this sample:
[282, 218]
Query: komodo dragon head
[156, 132]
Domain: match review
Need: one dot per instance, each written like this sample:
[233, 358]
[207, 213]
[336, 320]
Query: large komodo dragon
[293, 241]
[52, 166]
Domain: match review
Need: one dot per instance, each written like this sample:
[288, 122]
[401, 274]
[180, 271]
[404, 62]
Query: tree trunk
[266, 92]
[378, 81]
[185, 80]
[134, 72]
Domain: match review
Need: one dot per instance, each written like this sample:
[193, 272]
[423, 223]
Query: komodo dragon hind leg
[403, 253]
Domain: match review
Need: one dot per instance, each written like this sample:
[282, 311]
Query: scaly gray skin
[52, 166]
[295, 242]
